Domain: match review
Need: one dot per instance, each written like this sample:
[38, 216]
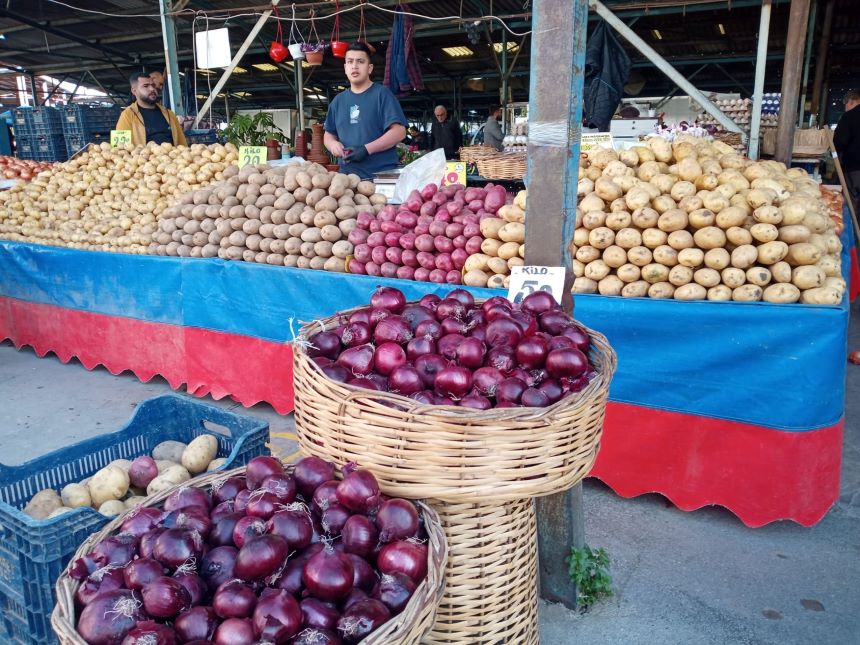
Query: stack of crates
[83, 124]
[39, 133]
[201, 136]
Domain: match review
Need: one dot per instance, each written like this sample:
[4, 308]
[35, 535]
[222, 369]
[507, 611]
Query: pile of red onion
[429, 237]
[452, 351]
[271, 557]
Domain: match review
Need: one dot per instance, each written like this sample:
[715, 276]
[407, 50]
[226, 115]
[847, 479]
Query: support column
[168, 34]
[555, 115]
[791, 71]
[503, 72]
[300, 93]
[821, 62]
[807, 57]
[760, 68]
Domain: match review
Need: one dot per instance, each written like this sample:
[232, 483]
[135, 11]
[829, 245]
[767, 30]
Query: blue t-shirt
[358, 119]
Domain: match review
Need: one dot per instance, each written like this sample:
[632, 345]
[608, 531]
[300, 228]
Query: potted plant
[314, 52]
[254, 130]
[338, 47]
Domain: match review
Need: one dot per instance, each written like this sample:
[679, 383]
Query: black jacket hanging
[607, 67]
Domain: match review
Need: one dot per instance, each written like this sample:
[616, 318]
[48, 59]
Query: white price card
[593, 140]
[528, 279]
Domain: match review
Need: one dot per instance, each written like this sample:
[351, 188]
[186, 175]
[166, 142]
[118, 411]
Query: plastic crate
[42, 148]
[83, 120]
[201, 136]
[74, 142]
[36, 121]
[33, 553]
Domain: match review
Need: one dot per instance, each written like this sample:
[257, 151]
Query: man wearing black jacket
[445, 133]
[847, 141]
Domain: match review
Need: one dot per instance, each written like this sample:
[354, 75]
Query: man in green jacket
[147, 119]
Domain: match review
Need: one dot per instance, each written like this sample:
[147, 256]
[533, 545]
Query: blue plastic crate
[74, 142]
[42, 148]
[83, 120]
[33, 553]
[201, 136]
[34, 121]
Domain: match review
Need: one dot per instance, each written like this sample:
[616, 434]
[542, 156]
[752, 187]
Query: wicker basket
[407, 628]
[506, 165]
[471, 154]
[491, 577]
[450, 453]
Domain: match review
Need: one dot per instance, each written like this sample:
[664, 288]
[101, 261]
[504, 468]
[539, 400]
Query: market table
[734, 404]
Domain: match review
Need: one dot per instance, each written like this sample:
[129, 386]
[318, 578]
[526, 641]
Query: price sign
[119, 137]
[526, 280]
[592, 141]
[455, 173]
[251, 155]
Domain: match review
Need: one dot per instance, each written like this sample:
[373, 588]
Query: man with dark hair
[492, 130]
[365, 122]
[847, 142]
[160, 79]
[445, 133]
[147, 119]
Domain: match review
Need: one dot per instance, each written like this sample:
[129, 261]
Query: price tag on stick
[251, 155]
[119, 137]
[528, 279]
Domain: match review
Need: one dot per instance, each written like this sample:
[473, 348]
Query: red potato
[405, 273]
[454, 208]
[495, 199]
[409, 258]
[390, 227]
[425, 220]
[426, 260]
[375, 226]
[376, 239]
[363, 220]
[475, 193]
[394, 254]
[459, 257]
[453, 277]
[362, 252]
[440, 198]
[442, 215]
[388, 270]
[438, 228]
[453, 230]
[357, 236]
[421, 274]
[422, 229]
[437, 276]
[372, 268]
[429, 190]
[392, 239]
[407, 240]
[473, 244]
[443, 244]
[424, 243]
[414, 201]
[377, 254]
[389, 210]
[460, 241]
[428, 208]
[444, 262]
[357, 267]
[407, 219]
[476, 204]
[471, 229]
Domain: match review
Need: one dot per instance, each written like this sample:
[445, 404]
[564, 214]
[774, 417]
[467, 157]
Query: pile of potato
[693, 220]
[502, 249]
[112, 490]
[298, 215]
[108, 199]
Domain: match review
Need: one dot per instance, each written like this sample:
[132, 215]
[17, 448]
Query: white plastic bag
[427, 169]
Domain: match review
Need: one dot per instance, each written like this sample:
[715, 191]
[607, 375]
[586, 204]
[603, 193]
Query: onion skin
[277, 616]
[318, 614]
[198, 623]
[234, 599]
[165, 598]
[394, 591]
[310, 472]
[362, 618]
[408, 558]
[328, 575]
[125, 607]
[261, 557]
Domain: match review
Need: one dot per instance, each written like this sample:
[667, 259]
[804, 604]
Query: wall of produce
[689, 220]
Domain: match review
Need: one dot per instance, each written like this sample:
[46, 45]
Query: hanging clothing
[402, 68]
[607, 67]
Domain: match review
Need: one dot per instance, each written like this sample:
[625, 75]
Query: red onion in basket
[328, 575]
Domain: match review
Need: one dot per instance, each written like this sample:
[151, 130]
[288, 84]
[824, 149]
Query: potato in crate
[33, 552]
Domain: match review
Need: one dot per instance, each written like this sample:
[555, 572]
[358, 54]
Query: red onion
[429, 329]
[221, 533]
[174, 547]
[510, 390]
[191, 517]
[324, 343]
[362, 618]
[359, 535]
[475, 401]
[538, 302]
[527, 322]
[358, 360]
[217, 566]
[364, 577]
[554, 321]
[318, 614]
[314, 636]
[579, 337]
[261, 557]
[448, 344]
[366, 383]
[451, 308]
[359, 491]
[394, 591]
[503, 358]
[532, 352]
[486, 380]
[560, 342]
[291, 576]
[194, 585]
[141, 572]
[277, 616]
[310, 472]
[148, 632]
[430, 301]
[235, 630]
[406, 557]
[117, 549]
[552, 389]
[198, 623]
[109, 578]
[322, 361]
[281, 486]
[142, 471]
[248, 528]
[503, 331]
[536, 377]
[332, 520]
[387, 357]
[337, 373]
[141, 521]
[425, 397]
[356, 334]
[81, 568]
[234, 599]
[454, 326]
[187, 496]
[328, 575]
[534, 398]
[470, 353]
[147, 542]
[389, 299]
[415, 314]
[226, 489]
[165, 598]
[261, 467]
[454, 382]
[324, 496]
[294, 525]
[569, 363]
[418, 346]
[405, 380]
[397, 519]
[353, 597]
[395, 329]
[123, 607]
[262, 504]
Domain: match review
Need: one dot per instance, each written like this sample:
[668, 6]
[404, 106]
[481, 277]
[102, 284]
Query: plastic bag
[428, 169]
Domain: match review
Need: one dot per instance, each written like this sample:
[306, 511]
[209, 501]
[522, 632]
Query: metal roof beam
[63, 46]
[654, 9]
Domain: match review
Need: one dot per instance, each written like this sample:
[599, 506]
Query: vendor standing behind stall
[365, 122]
[146, 118]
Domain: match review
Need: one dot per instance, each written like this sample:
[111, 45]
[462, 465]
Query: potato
[168, 451]
[719, 293]
[680, 275]
[628, 273]
[663, 203]
[134, 501]
[710, 237]
[159, 484]
[691, 203]
[637, 198]
[821, 296]
[807, 277]
[43, 503]
[759, 276]
[614, 256]
[731, 216]
[747, 293]
[627, 238]
[513, 232]
[112, 508]
[666, 255]
[739, 236]
[764, 232]
[702, 217]
[707, 277]
[491, 247]
[768, 215]
[836, 283]
[490, 227]
[584, 285]
[586, 254]
[638, 289]
[654, 273]
[178, 474]
[610, 286]
[607, 189]
[596, 270]
[654, 237]
[801, 253]
[475, 278]
[618, 220]
[639, 255]
[600, 238]
[498, 265]
[691, 257]
[733, 277]
[76, 495]
[661, 290]
[772, 252]
[197, 455]
[124, 464]
[690, 292]
[645, 218]
[111, 482]
[680, 240]
[781, 272]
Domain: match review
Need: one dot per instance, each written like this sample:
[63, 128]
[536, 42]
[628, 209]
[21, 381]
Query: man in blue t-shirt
[365, 122]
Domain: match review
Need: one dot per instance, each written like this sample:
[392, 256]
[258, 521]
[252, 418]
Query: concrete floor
[691, 578]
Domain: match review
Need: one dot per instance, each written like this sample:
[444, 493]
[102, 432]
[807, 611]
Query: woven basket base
[491, 576]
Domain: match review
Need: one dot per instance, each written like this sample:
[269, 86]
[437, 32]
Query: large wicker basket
[450, 453]
[503, 165]
[407, 628]
[471, 154]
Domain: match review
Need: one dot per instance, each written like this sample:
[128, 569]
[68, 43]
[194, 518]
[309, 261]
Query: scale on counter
[386, 181]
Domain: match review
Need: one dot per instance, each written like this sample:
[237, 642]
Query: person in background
[147, 119]
[492, 130]
[445, 133]
[364, 123]
[847, 142]
[417, 138]
[159, 78]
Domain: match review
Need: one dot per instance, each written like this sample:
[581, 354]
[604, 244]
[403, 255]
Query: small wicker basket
[506, 165]
[471, 154]
[407, 628]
